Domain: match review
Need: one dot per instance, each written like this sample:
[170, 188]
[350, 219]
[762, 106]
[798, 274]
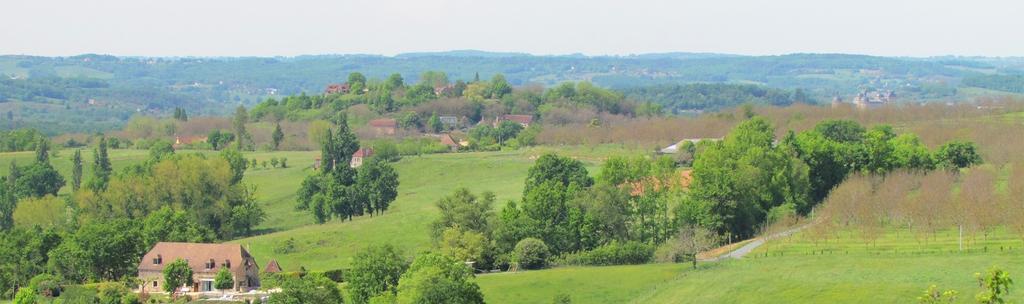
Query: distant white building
[673, 149]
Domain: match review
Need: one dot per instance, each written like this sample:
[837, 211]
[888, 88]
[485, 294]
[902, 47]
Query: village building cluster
[868, 99]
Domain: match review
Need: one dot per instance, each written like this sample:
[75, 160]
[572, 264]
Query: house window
[227, 264]
[154, 284]
[158, 260]
[210, 264]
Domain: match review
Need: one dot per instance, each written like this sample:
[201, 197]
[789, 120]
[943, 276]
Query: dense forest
[1005, 83]
[706, 96]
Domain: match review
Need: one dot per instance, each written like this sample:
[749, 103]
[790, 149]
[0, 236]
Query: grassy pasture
[612, 284]
[789, 273]
[423, 180]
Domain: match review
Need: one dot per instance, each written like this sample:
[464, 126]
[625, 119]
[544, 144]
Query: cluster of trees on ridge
[337, 190]
[476, 100]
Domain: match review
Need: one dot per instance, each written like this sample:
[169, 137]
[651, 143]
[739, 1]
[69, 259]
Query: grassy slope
[833, 279]
[614, 284]
[897, 268]
[423, 180]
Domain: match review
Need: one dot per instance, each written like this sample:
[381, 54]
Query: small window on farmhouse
[227, 264]
[158, 260]
[210, 264]
[154, 284]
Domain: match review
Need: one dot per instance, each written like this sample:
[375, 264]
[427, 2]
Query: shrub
[312, 289]
[667, 253]
[531, 253]
[115, 293]
[562, 298]
[286, 247]
[386, 151]
[77, 294]
[25, 296]
[613, 253]
[336, 275]
[781, 212]
[45, 285]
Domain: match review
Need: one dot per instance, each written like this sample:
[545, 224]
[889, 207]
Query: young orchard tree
[962, 209]
[996, 284]
[981, 189]
[1013, 205]
[935, 296]
[692, 240]
[933, 200]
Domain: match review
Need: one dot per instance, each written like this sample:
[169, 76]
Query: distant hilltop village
[868, 99]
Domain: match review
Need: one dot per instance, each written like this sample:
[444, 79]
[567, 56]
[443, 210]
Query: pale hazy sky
[595, 27]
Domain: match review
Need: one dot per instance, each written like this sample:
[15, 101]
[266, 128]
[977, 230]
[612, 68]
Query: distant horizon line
[501, 54]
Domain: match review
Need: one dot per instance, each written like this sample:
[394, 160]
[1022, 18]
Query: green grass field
[788, 274]
[895, 269]
[423, 180]
[613, 284]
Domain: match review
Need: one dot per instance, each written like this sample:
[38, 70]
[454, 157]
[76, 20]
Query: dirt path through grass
[753, 244]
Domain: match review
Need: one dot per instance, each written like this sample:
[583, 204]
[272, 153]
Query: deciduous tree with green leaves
[242, 139]
[957, 154]
[277, 137]
[996, 284]
[76, 170]
[101, 168]
[434, 123]
[437, 278]
[375, 270]
[177, 274]
[224, 280]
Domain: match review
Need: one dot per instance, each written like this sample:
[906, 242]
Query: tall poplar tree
[76, 170]
[101, 169]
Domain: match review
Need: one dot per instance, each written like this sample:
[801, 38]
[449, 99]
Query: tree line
[738, 181]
